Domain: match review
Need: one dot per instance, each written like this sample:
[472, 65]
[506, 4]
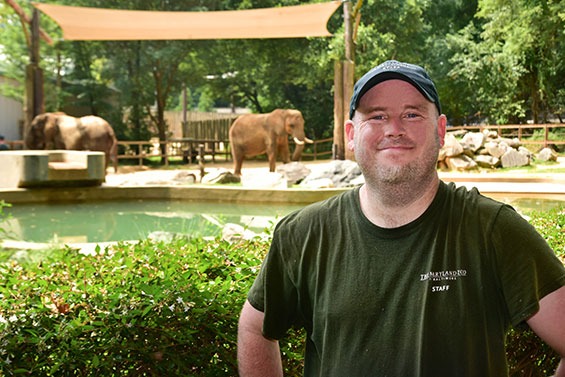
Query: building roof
[83, 23]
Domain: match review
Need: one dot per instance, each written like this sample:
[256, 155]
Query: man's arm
[256, 355]
[549, 324]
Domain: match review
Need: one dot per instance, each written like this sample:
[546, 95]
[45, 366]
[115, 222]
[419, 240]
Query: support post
[34, 104]
[344, 73]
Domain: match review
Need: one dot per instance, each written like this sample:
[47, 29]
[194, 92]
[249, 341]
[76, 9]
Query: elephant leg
[282, 149]
[284, 153]
[272, 161]
[237, 161]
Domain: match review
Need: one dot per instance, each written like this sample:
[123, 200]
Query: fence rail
[188, 149]
[218, 144]
[520, 131]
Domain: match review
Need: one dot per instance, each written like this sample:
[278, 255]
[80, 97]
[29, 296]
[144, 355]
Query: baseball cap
[390, 70]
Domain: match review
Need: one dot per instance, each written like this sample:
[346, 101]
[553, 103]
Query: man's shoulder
[321, 211]
[463, 201]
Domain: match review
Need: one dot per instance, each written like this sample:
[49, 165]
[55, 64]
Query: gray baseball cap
[390, 70]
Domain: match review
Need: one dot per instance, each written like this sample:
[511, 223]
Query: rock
[220, 176]
[513, 143]
[264, 180]
[235, 232]
[318, 183]
[512, 159]
[496, 149]
[340, 172]
[461, 163]
[526, 152]
[294, 172]
[184, 177]
[486, 161]
[451, 146]
[473, 140]
[547, 154]
[162, 236]
[490, 135]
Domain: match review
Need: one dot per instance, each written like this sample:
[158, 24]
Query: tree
[511, 59]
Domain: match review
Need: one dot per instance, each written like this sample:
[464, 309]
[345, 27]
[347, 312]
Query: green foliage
[527, 354]
[149, 309]
[163, 309]
[506, 60]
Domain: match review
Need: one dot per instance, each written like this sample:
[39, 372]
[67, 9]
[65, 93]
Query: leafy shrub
[149, 309]
[527, 355]
[161, 309]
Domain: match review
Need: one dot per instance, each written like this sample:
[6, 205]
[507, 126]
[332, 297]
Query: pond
[122, 220]
[132, 220]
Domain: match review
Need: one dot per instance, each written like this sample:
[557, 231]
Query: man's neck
[394, 205]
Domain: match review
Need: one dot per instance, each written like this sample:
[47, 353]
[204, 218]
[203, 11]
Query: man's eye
[378, 117]
[412, 115]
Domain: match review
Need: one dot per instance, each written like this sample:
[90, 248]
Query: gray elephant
[61, 131]
[254, 134]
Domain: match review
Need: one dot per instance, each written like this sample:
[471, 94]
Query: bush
[161, 309]
[527, 354]
[149, 309]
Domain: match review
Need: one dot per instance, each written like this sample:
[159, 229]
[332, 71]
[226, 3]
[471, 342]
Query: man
[3, 145]
[406, 275]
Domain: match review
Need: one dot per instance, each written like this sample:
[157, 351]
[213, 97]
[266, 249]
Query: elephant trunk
[298, 152]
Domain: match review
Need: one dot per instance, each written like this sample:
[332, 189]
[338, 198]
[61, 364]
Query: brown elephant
[254, 134]
[61, 131]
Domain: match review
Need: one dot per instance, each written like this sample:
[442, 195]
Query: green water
[132, 220]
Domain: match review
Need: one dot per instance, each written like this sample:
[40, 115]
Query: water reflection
[131, 220]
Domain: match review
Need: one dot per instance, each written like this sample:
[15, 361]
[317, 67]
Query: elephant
[61, 131]
[254, 134]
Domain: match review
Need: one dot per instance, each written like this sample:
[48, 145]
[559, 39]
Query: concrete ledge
[33, 168]
[196, 193]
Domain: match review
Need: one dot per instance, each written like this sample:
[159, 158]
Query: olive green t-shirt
[434, 297]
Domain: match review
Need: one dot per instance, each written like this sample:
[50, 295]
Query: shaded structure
[83, 23]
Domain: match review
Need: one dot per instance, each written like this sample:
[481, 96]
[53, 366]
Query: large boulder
[473, 140]
[461, 163]
[340, 172]
[294, 172]
[513, 159]
[547, 154]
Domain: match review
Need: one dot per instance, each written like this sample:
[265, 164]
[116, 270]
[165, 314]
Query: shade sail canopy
[83, 23]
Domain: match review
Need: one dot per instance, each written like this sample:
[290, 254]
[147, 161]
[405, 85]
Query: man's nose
[395, 128]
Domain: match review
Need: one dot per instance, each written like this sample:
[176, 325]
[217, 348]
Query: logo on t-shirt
[442, 276]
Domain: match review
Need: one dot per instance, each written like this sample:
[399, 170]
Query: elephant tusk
[298, 141]
[308, 140]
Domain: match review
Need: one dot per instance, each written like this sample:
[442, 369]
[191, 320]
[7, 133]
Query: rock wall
[469, 150]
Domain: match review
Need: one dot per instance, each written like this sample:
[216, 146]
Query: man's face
[396, 133]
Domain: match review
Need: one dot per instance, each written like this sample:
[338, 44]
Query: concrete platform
[548, 185]
[53, 168]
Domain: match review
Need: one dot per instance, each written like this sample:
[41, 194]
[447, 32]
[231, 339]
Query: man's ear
[441, 128]
[350, 132]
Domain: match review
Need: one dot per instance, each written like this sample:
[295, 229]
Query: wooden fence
[522, 132]
[213, 141]
[188, 149]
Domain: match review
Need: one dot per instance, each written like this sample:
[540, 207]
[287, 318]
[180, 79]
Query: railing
[520, 131]
[188, 148]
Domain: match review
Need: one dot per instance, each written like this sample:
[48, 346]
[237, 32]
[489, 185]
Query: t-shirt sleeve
[274, 292]
[528, 267]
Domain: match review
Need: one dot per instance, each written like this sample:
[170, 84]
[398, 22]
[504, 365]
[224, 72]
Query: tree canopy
[494, 61]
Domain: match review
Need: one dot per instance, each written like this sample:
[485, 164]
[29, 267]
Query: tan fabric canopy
[82, 23]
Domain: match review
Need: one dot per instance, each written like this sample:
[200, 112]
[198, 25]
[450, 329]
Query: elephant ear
[277, 117]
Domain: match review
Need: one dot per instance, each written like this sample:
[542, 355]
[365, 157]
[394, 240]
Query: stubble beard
[400, 184]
